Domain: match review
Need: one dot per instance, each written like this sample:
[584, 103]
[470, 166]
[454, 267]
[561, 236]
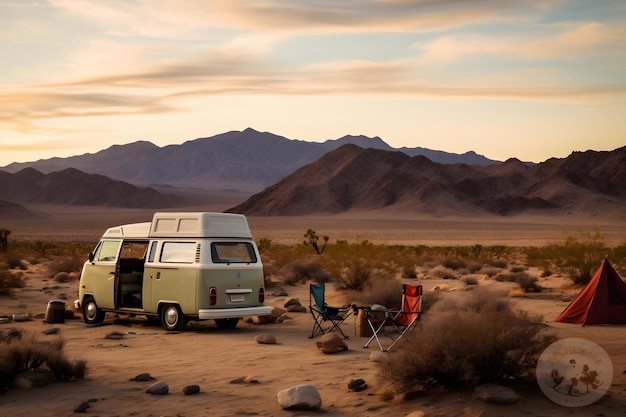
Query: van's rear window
[232, 252]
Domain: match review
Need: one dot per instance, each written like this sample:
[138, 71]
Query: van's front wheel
[172, 318]
[91, 312]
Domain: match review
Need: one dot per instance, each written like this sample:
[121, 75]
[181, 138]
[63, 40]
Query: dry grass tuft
[20, 352]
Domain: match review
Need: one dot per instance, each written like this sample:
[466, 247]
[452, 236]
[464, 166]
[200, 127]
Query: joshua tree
[311, 238]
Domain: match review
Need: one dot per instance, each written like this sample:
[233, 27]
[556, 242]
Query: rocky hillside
[353, 178]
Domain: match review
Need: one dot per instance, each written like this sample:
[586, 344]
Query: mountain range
[246, 161]
[356, 179]
[349, 177]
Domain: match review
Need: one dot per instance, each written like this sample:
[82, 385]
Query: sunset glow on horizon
[530, 79]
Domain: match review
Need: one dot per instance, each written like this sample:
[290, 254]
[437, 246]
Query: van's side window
[180, 252]
[232, 252]
[153, 249]
[107, 251]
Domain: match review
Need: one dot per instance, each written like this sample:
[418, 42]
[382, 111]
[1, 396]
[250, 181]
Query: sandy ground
[215, 359]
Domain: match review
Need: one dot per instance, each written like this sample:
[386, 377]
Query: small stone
[292, 302]
[82, 407]
[267, 339]
[496, 394]
[114, 335]
[142, 377]
[357, 385]
[158, 388]
[191, 389]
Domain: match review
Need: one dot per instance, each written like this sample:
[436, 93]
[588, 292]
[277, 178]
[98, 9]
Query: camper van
[179, 267]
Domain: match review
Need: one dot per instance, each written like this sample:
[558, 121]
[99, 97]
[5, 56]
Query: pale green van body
[179, 267]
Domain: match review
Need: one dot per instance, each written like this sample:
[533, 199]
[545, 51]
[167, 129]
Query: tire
[227, 323]
[172, 318]
[91, 312]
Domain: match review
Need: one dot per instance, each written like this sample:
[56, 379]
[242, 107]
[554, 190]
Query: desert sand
[240, 377]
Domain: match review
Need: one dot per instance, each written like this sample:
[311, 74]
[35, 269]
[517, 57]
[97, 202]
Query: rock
[357, 385]
[302, 397]
[280, 294]
[142, 377]
[191, 389]
[292, 302]
[276, 313]
[296, 309]
[262, 319]
[82, 407]
[53, 330]
[244, 380]
[267, 339]
[496, 394]
[114, 335]
[331, 343]
[283, 318]
[158, 388]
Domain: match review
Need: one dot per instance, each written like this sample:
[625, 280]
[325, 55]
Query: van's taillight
[261, 294]
[212, 296]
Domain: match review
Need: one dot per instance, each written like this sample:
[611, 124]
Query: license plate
[234, 298]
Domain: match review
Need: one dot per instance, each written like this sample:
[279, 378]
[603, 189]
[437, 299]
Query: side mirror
[91, 257]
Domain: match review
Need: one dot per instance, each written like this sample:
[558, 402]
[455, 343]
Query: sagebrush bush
[385, 291]
[525, 281]
[10, 279]
[465, 341]
[20, 352]
[304, 270]
[454, 263]
[17, 263]
[443, 273]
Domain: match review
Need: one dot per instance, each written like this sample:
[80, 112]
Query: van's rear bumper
[226, 313]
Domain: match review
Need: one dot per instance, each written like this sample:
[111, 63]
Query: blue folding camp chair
[322, 312]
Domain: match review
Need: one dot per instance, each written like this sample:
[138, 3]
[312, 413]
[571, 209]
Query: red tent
[602, 301]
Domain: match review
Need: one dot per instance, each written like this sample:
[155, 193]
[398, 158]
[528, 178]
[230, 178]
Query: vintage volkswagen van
[179, 267]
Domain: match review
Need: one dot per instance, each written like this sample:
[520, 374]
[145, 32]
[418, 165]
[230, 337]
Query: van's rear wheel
[172, 318]
[91, 312]
[230, 323]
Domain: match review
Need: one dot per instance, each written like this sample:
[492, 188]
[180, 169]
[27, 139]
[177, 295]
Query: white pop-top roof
[191, 224]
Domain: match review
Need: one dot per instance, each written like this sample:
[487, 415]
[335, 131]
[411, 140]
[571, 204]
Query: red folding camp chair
[401, 321]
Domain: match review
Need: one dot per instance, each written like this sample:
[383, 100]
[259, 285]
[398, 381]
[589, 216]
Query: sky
[529, 79]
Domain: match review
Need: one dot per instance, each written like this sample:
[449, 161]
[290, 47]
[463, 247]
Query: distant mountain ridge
[73, 187]
[247, 161]
[352, 178]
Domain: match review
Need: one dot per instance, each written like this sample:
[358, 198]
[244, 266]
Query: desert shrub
[68, 263]
[454, 263]
[20, 352]
[353, 265]
[304, 270]
[474, 266]
[472, 339]
[9, 280]
[490, 271]
[497, 263]
[519, 268]
[577, 259]
[470, 280]
[62, 277]
[443, 273]
[525, 281]
[16, 263]
[409, 272]
[385, 291]
[264, 245]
